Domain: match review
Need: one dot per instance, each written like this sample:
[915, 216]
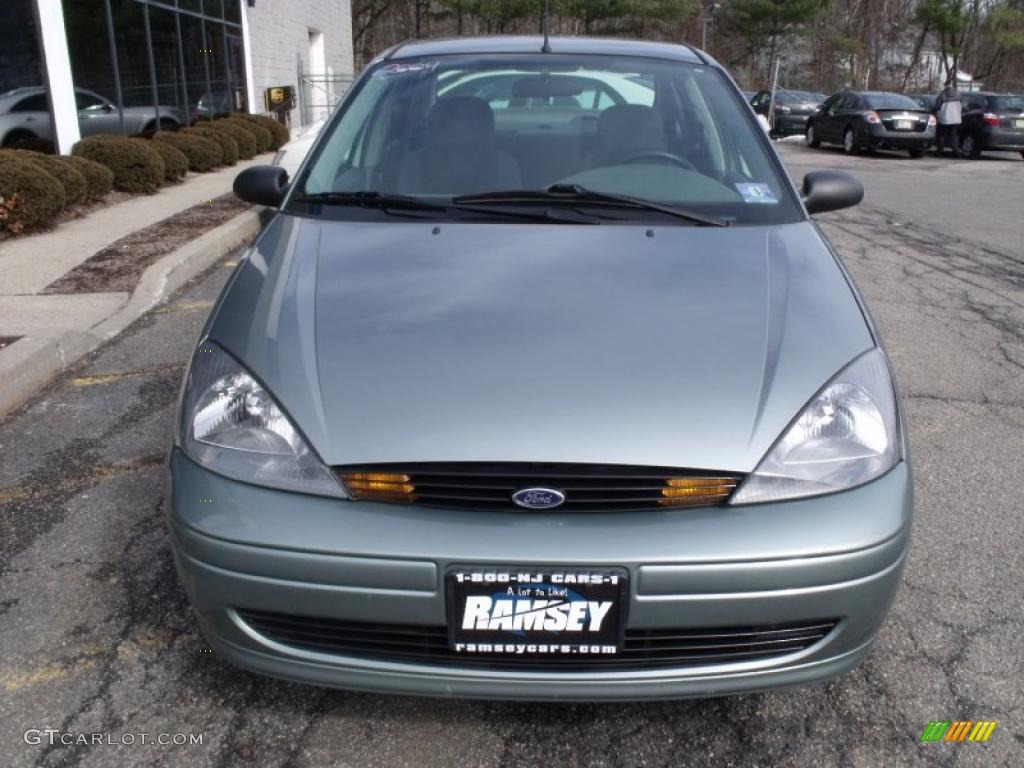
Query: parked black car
[992, 121]
[872, 120]
[789, 115]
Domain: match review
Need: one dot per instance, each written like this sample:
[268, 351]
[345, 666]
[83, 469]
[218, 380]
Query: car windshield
[437, 130]
[1009, 103]
[890, 101]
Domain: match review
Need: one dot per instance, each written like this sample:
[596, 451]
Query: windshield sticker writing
[399, 68]
[756, 193]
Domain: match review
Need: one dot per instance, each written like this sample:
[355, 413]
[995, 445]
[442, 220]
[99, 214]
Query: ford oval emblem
[538, 498]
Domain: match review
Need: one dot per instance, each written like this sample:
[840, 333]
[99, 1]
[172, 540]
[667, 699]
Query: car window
[832, 102]
[850, 101]
[1008, 103]
[35, 103]
[890, 101]
[86, 100]
[439, 128]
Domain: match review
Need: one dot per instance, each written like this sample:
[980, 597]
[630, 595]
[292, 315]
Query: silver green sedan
[541, 384]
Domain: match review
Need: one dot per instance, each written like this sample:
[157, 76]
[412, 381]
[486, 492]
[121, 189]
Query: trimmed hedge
[246, 140]
[29, 196]
[203, 155]
[73, 182]
[175, 162]
[261, 134]
[228, 146]
[136, 165]
[33, 144]
[99, 179]
[278, 133]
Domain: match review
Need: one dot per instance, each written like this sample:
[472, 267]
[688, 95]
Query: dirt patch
[6, 341]
[119, 266]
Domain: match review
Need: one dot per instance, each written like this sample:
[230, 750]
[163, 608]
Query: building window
[175, 59]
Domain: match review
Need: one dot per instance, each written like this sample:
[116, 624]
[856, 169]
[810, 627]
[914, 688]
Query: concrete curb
[31, 363]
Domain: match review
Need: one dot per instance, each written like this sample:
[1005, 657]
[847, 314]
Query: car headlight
[782, 109]
[231, 425]
[845, 436]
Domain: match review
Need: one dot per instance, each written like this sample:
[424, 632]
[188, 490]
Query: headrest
[630, 125]
[461, 119]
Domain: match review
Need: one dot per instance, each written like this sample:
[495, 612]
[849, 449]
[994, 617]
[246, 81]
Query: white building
[192, 58]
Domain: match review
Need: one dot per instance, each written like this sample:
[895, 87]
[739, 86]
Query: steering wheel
[667, 157]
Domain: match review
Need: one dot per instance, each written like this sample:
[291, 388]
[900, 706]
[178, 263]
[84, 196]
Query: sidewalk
[54, 330]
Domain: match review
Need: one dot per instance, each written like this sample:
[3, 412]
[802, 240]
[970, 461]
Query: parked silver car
[25, 115]
[622, 431]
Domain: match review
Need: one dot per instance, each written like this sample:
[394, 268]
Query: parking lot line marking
[104, 378]
[14, 493]
[184, 306]
[18, 679]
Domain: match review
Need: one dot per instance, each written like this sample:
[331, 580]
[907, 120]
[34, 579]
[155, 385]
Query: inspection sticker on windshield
[756, 193]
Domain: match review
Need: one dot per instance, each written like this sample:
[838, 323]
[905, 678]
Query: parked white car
[25, 115]
[291, 155]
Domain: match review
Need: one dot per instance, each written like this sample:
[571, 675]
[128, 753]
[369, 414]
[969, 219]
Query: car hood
[407, 341]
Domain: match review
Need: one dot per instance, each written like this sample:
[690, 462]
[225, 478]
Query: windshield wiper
[374, 199]
[371, 199]
[576, 195]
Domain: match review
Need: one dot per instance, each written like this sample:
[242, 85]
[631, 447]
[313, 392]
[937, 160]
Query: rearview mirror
[830, 191]
[262, 185]
[546, 87]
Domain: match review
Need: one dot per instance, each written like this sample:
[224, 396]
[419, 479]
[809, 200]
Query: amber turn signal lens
[379, 486]
[696, 491]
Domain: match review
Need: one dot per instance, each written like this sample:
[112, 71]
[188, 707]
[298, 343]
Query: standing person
[948, 114]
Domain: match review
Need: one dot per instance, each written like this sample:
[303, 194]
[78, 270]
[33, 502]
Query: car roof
[534, 43]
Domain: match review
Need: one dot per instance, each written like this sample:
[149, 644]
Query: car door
[824, 121]
[96, 114]
[972, 107]
[848, 114]
[761, 102]
[30, 115]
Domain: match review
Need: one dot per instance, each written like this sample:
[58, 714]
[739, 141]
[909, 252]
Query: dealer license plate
[536, 611]
[904, 125]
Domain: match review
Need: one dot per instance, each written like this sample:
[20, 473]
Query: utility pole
[708, 18]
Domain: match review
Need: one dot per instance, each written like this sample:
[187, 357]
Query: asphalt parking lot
[96, 636]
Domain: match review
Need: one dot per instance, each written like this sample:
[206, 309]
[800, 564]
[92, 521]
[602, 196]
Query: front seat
[624, 130]
[460, 155]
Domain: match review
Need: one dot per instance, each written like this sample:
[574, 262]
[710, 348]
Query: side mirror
[262, 185]
[830, 191]
[108, 107]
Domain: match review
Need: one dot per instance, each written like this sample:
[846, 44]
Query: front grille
[643, 648]
[586, 487]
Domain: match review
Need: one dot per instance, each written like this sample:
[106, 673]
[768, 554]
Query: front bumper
[250, 548]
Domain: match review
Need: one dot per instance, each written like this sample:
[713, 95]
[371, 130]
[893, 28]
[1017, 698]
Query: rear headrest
[461, 119]
[630, 125]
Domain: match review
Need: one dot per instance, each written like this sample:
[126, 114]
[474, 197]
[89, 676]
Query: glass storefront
[181, 56]
[167, 62]
[20, 62]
